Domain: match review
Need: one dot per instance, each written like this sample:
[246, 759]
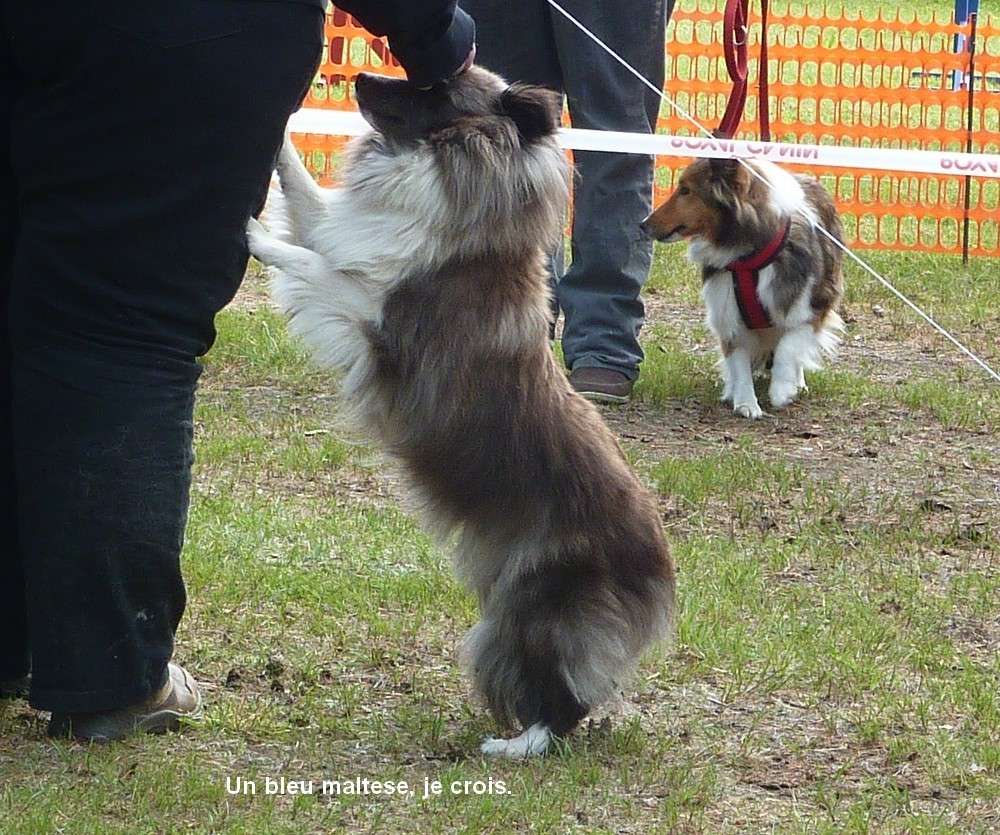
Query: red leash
[735, 34]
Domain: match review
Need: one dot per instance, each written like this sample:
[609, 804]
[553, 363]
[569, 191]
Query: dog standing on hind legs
[423, 280]
[771, 281]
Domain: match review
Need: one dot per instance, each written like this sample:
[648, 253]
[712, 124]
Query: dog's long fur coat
[423, 280]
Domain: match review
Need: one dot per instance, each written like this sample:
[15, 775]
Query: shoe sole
[158, 722]
[604, 397]
[161, 722]
[166, 721]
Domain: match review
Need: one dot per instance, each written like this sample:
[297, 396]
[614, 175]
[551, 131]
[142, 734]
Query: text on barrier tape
[347, 123]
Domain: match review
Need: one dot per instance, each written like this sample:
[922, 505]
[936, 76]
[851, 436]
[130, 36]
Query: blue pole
[963, 8]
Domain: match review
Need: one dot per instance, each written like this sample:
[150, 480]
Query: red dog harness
[746, 274]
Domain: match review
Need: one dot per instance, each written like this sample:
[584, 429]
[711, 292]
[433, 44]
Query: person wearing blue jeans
[139, 138]
[599, 295]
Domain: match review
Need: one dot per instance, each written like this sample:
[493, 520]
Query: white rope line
[833, 238]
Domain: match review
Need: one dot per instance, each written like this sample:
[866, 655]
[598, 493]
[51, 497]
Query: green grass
[298, 441]
[835, 668]
[253, 347]
[724, 476]
[835, 664]
[670, 373]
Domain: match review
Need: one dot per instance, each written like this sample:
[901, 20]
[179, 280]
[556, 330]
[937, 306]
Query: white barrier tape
[328, 122]
[835, 156]
[348, 123]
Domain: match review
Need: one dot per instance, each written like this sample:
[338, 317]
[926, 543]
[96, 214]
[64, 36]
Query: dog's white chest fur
[722, 312]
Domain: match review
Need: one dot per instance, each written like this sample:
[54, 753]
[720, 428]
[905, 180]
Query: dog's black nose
[644, 226]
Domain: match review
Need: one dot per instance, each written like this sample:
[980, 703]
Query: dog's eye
[683, 191]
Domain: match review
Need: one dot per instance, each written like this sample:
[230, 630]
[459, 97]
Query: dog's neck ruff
[746, 274]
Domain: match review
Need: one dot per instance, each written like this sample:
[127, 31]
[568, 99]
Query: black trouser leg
[599, 294]
[138, 158]
[528, 40]
[14, 655]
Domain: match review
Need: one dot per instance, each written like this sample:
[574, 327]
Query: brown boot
[15, 688]
[602, 385]
[177, 699]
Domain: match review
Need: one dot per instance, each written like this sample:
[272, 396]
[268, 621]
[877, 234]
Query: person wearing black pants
[140, 137]
[532, 42]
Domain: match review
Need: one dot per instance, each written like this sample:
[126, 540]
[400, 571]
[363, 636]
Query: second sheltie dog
[771, 281]
[423, 281]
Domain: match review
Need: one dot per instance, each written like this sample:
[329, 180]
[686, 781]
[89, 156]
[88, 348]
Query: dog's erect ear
[728, 170]
[535, 110]
[722, 168]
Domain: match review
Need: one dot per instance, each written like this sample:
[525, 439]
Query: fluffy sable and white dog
[423, 280]
[771, 281]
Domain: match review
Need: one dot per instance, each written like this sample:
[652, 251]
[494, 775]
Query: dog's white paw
[532, 743]
[257, 237]
[753, 411]
[782, 392]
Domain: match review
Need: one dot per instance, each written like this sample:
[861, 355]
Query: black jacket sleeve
[430, 38]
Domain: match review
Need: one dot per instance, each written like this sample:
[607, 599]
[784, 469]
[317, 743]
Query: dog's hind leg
[548, 707]
[516, 662]
[552, 645]
[727, 383]
[532, 743]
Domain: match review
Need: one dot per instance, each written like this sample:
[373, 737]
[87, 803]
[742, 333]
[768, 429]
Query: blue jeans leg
[599, 294]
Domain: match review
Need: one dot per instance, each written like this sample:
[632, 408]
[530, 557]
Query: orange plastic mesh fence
[892, 80]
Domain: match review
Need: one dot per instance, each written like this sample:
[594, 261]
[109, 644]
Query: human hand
[469, 61]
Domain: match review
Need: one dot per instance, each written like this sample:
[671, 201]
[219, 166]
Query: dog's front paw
[532, 743]
[256, 235]
[782, 392]
[753, 411]
[258, 240]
